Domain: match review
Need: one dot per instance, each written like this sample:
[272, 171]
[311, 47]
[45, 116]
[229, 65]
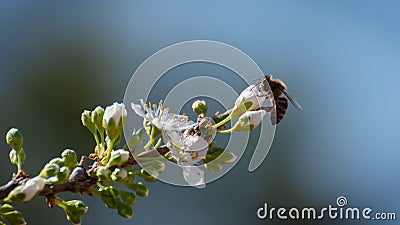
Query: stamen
[196, 154]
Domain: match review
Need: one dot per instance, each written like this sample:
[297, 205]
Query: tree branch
[81, 180]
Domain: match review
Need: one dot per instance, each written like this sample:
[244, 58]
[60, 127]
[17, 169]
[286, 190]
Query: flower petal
[193, 176]
[138, 109]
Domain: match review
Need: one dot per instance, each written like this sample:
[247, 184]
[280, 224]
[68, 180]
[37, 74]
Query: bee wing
[293, 100]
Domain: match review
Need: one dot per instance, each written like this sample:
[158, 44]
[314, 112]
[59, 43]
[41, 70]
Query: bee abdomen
[281, 105]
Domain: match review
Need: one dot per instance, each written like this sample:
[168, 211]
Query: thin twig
[81, 180]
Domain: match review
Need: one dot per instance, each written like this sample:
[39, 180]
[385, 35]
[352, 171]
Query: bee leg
[268, 108]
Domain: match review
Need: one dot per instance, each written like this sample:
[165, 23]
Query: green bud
[125, 211]
[136, 139]
[87, 121]
[147, 176]
[152, 170]
[61, 177]
[118, 158]
[129, 198]
[97, 117]
[70, 159]
[200, 107]
[227, 157]
[63, 174]
[11, 215]
[50, 169]
[58, 161]
[106, 196]
[213, 166]
[74, 210]
[14, 138]
[103, 173]
[119, 175]
[140, 189]
[100, 149]
[13, 157]
[131, 177]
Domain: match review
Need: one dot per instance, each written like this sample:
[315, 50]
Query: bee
[278, 91]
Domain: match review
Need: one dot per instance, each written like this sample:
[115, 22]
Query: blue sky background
[339, 58]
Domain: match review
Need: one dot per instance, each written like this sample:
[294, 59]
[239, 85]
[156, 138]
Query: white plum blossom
[190, 150]
[249, 99]
[160, 116]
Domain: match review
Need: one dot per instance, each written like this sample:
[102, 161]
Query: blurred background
[340, 59]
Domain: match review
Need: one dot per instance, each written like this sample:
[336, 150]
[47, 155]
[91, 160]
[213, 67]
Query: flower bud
[125, 210]
[249, 120]
[249, 99]
[27, 191]
[136, 139]
[87, 121]
[58, 161]
[50, 169]
[140, 189]
[99, 149]
[227, 157]
[74, 210]
[152, 170]
[213, 166]
[97, 117]
[61, 177]
[14, 138]
[118, 158]
[129, 198]
[147, 176]
[200, 107]
[10, 214]
[119, 175]
[13, 157]
[70, 159]
[103, 173]
[107, 197]
[131, 177]
[113, 119]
